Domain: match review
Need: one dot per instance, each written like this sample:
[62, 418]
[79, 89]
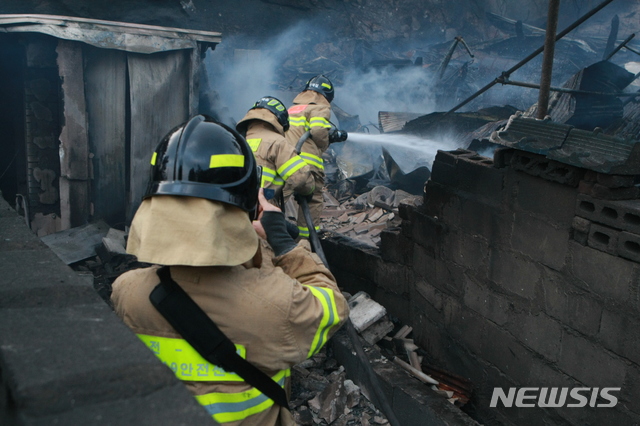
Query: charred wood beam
[531, 56]
[620, 46]
[565, 90]
[547, 58]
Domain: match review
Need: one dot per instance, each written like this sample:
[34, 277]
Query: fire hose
[353, 335]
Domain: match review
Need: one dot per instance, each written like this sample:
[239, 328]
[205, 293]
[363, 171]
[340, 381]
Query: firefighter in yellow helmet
[210, 284]
[311, 111]
[283, 170]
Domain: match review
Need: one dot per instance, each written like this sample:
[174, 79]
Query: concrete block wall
[65, 357]
[508, 282]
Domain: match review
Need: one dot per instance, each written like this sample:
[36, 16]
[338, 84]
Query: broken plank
[76, 244]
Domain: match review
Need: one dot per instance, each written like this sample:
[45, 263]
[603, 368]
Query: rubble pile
[322, 395]
[364, 217]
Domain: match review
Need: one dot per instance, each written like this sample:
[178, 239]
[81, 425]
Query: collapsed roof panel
[136, 38]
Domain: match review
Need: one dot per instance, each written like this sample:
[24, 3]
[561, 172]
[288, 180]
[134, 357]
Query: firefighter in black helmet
[311, 111]
[195, 224]
[283, 170]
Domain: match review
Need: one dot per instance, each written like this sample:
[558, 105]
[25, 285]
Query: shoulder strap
[195, 326]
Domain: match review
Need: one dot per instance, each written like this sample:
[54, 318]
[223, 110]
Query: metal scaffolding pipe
[547, 58]
[531, 56]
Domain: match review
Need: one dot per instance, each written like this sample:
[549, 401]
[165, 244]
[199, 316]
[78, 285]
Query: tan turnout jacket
[311, 112]
[280, 314]
[282, 168]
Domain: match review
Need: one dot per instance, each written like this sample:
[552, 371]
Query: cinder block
[405, 210]
[424, 263]
[444, 173]
[538, 332]
[589, 364]
[395, 247]
[573, 307]
[606, 275]
[514, 273]
[477, 176]
[603, 238]
[467, 250]
[486, 302]
[464, 325]
[449, 277]
[620, 333]
[490, 222]
[629, 246]
[602, 192]
[542, 197]
[539, 165]
[451, 157]
[540, 240]
[632, 386]
[392, 277]
[506, 353]
[585, 187]
[442, 203]
[580, 230]
[623, 215]
[349, 254]
[502, 157]
[426, 230]
[615, 181]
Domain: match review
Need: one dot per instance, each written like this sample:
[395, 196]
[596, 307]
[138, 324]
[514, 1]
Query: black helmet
[275, 106]
[206, 159]
[322, 85]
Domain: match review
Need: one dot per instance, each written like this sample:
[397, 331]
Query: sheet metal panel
[106, 95]
[160, 100]
[108, 34]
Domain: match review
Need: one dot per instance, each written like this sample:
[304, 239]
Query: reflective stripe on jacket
[189, 365]
[281, 165]
[310, 111]
[280, 312]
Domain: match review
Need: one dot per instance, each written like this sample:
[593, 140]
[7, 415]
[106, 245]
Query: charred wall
[514, 274]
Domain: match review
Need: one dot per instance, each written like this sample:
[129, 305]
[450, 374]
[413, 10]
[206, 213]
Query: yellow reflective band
[186, 362]
[304, 231]
[328, 86]
[319, 122]
[254, 143]
[312, 160]
[226, 160]
[299, 122]
[291, 166]
[230, 407]
[330, 317]
[154, 158]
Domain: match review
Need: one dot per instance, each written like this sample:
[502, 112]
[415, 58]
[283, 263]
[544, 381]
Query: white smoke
[241, 70]
[397, 90]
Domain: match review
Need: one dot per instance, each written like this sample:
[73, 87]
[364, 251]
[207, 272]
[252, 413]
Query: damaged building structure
[520, 269]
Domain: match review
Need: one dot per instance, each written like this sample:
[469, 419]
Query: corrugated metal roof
[130, 37]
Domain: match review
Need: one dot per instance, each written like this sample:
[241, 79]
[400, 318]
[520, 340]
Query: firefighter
[283, 170]
[195, 225]
[311, 111]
